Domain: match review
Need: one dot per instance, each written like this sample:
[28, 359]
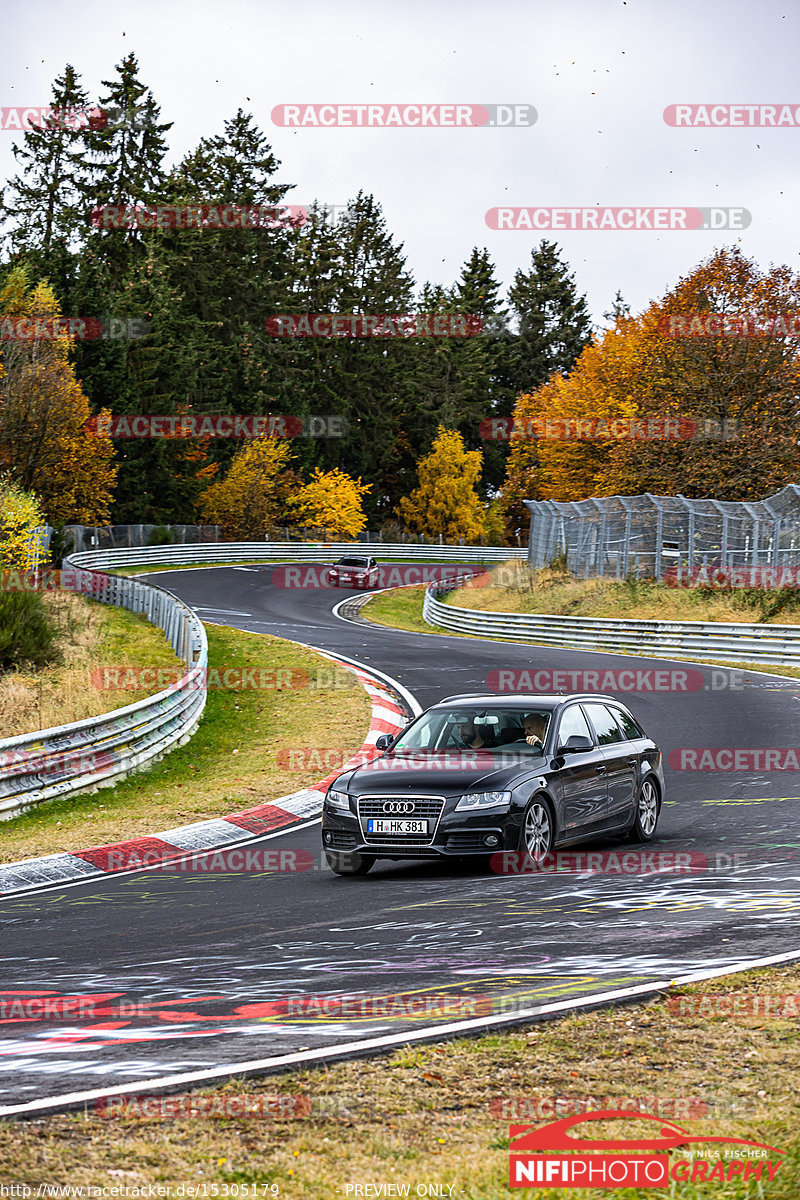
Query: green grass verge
[230, 762]
[434, 1114]
[400, 608]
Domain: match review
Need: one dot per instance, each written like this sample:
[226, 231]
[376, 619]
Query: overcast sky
[598, 72]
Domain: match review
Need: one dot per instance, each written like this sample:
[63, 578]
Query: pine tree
[358, 268]
[484, 358]
[126, 157]
[554, 322]
[47, 201]
[232, 279]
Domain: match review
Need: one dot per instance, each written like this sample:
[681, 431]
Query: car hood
[439, 774]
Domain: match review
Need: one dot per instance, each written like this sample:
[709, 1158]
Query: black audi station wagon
[477, 774]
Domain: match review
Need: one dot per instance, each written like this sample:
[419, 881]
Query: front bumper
[457, 835]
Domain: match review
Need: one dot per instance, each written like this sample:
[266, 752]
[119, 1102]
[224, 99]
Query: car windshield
[352, 562]
[496, 731]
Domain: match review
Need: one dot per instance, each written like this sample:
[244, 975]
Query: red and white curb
[388, 716]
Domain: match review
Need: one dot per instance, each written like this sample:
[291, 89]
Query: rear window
[629, 726]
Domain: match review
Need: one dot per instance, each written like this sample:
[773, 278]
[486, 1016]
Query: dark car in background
[354, 571]
[477, 774]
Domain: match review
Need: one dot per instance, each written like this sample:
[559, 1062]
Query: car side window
[629, 726]
[608, 731]
[573, 722]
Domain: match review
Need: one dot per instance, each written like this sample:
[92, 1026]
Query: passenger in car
[473, 737]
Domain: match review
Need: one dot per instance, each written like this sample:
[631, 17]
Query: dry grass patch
[90, 635]
[514, 587]
[431, 1114]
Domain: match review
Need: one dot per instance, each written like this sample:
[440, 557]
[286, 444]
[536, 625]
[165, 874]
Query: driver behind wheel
[534, 726]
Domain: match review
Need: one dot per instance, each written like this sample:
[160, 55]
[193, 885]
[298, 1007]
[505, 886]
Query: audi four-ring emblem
[398, 806]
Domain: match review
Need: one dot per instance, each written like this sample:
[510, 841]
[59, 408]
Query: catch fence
[647, 535]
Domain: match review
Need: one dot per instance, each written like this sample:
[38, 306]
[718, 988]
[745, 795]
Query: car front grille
[425, 807]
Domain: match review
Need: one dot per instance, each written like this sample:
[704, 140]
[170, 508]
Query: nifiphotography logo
[631, 1162]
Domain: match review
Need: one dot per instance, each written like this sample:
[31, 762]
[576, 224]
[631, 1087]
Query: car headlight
[480, 800]
[338, 800]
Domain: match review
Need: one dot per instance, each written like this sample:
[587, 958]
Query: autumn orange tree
[331, 500]
[253, 495]
[638, 370]
[446, 504]
[45, 445]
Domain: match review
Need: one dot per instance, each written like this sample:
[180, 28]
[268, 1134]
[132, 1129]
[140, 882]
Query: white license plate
[377, 826]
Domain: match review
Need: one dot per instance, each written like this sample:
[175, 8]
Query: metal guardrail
[100, 750]
[291, 551]
[773, 645]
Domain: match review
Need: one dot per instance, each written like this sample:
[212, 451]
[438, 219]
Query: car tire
[536, 832]
[648, 809]
[349, 864]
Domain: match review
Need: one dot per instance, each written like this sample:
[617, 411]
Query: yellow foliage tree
[331, 501]
[20, 517]
[45, 445]
[253, 495]
[446, 503]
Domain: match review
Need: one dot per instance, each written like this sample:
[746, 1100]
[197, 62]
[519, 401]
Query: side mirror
[384, 741]
[577, 744]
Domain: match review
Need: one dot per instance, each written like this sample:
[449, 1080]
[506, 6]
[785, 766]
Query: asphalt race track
[189, 967]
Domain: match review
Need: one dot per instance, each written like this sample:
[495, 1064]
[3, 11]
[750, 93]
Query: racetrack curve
[203, 958]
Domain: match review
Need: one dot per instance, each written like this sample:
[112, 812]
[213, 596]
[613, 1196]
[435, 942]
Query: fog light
[491, 839]
[327, 837]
